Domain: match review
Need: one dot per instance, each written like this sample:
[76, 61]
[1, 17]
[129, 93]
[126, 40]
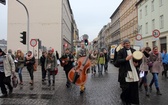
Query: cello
[78, 74]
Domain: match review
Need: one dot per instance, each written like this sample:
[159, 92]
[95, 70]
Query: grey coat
[156, 60]
[144, 65]
[52, 61]
[9, 65]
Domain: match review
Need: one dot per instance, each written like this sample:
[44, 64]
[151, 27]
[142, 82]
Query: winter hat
[125, 41]
[10, 51]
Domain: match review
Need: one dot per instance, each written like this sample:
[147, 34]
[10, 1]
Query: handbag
[55, 72]
[16, 69]
[14, 81]
[35, 67]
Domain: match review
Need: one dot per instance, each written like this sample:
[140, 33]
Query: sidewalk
[38, 94]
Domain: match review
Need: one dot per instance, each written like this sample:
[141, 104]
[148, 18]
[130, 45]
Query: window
[160, 2]
[152, 6]
[140, 29]
[140, 14]
[146, 10]
[153, 24]
[146, 27]
[161, 22]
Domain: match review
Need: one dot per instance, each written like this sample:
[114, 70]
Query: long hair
[19, 54]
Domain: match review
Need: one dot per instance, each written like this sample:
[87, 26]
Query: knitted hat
[125, 41]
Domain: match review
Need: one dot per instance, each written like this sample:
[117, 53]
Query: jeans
[20, 74]
[93, 68]
[100, 66]
[155, 80]
[165, 69]
[53, 75]
[43, 72]
[106, 66]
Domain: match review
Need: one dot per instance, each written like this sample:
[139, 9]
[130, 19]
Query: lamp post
[27, 36]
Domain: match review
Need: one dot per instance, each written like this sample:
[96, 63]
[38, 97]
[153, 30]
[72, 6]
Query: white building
[152, 15]
[51, 21]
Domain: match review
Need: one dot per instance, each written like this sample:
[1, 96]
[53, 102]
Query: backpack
[35, 66]
[115, 63]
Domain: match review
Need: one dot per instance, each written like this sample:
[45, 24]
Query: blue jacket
[164, 58]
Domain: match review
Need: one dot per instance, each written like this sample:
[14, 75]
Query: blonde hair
[21, 54]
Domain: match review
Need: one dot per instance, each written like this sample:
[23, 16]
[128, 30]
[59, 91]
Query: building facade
[51, 22]
[128, 20]
[3, 45]
[114, 35]
[152, 16]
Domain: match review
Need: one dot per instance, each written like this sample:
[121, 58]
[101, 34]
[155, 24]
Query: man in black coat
[128, 75]
[42, 62]
[67, 59]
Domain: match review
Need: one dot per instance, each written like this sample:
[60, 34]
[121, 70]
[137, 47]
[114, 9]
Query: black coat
[42, 61]
[69, 66]
[124, 65]
[130, 91]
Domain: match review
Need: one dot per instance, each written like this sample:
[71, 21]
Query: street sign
[156, 33]
[138, 37]
[33, 42]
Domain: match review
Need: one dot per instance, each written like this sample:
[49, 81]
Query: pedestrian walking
[67, 60]
[51, 66]
[30, 61]
[42, 62]
[19, 61]
[7, 68]
[156, 67]
[128, 75]
[165, 63]
[145, 68]
[101, 62]
[93, 59]
[106, 55]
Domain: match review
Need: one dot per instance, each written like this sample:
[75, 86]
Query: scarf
[132, 76]
[29, 57]
[146, 54]
[155, 52]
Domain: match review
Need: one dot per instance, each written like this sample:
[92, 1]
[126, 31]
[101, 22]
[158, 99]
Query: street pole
[27, 36]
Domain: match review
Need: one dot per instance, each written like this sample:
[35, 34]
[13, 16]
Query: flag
[3, 2]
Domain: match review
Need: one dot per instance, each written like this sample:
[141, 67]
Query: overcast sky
[90, 16]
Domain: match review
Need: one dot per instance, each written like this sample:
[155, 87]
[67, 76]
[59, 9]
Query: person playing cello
[82, 53]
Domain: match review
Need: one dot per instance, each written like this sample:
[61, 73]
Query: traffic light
[39, 44]
[86, 42]
[3, 2]
[23, 37]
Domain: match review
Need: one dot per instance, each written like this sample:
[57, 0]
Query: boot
[158, 91]
[53, 83]
[49, 82]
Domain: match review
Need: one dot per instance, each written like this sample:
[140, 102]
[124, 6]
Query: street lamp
[27, 36]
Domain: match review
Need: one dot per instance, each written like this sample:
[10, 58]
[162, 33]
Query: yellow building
[128, 20]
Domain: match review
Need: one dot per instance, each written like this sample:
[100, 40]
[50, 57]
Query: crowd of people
[133, 72]
[131, 82]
